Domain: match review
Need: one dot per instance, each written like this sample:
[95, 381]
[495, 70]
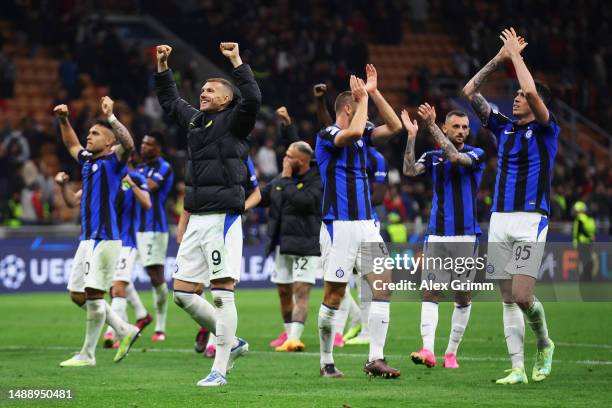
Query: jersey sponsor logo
[339, 273]
[507, 132]
[528, 134]
[217, 271]
[360, 143]
[210, 122]
[94, 167]
[380, 174]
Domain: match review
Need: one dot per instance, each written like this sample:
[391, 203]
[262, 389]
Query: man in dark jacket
[294, 225]
[211, 249]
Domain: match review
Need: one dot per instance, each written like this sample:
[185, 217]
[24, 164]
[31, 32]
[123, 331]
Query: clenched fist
[61, 111]
[163, 52]
[61, 178]
[319, 90]
[283, 115]
[107, 105]
[231, 51]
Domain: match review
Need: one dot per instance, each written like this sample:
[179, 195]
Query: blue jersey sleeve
[163, 175]
[426, 160]
[251, 175]
[378, 167]
[550, 129]
[477, 155]
[83, 156]
[118, 167]
[140, 181]
[497, 122]
[328, 135]
[367, 135]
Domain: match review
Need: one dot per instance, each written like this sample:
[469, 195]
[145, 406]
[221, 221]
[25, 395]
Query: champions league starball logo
[12, 272]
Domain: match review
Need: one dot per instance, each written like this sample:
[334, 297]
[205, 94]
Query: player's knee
[431, 296]
[78, 298]
[523, 300]
[182, 299]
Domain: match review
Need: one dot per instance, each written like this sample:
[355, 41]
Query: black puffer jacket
[216, 148]
[295, 213]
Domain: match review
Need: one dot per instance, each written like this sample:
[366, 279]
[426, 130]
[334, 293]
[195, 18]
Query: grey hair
[303, 147]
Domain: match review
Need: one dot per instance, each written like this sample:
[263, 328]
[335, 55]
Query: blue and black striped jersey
[524, 163]
[346, 191]
[154, 219]
[101, 181]
[453, 210]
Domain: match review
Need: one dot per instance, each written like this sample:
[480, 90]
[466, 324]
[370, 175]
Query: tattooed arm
[410, 167]
[126, 143]
[427, 113]
[471, 90]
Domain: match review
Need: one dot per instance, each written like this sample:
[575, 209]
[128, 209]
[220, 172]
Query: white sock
[96, 314]
[364, 307]
[227, 322]
[459, 321]
[537, 321]
[296, 330]
[379, 323]
[342, 313]
[198, 308]
[119, 306]
[132, 297]
[121, 327]
[327, 325]
[354, 311]
[160, 300]
[287, 326]
[514, 330]
[429, 323]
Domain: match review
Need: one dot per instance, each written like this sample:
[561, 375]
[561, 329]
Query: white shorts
[516, 244]
[152, 247]
[294, 268]
[93, 265]
[350, 244]
[125, 264]
[439, 249]
[211, 248]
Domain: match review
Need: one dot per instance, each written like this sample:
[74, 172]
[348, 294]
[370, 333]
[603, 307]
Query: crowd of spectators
[291, 46]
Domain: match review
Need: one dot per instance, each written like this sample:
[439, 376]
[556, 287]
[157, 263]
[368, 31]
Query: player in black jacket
[211, 249]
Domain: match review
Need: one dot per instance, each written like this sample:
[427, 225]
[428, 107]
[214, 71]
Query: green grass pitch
[38, 331]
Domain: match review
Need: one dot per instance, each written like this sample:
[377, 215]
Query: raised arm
[69, 137]
[514, 47]
[323, 117]
[242, 118]
[71, 198]
[411, 168]
[126, 143]
[381, 134]
[288, 131]
[471, 90]
[355, 130]
[427, 113]
[167, 93]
